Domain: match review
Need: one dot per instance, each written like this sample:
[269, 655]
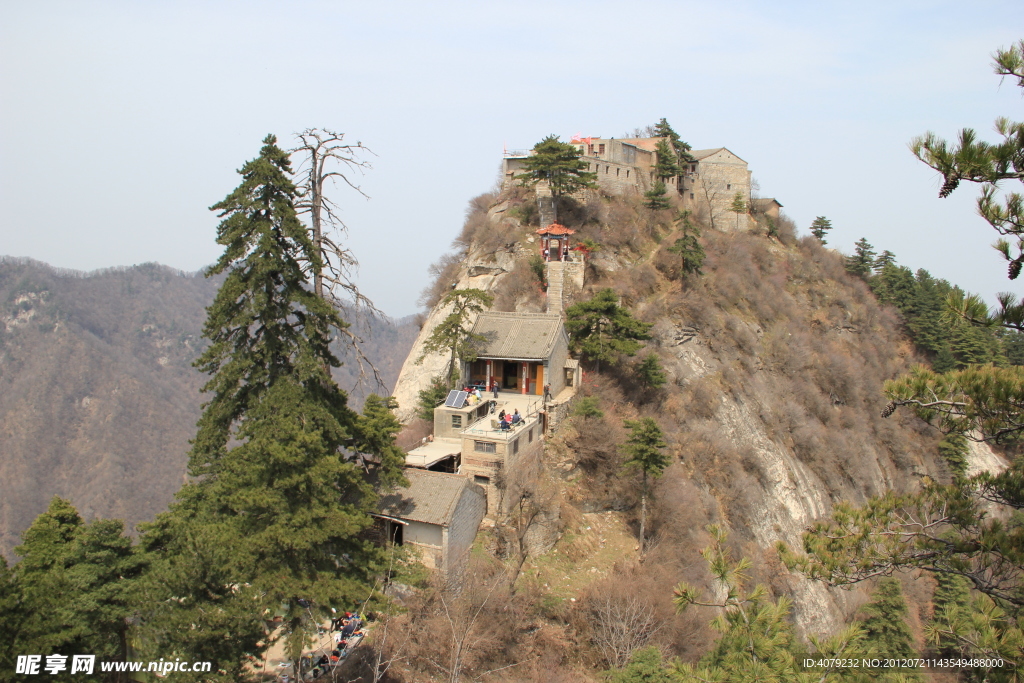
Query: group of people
[556, 256]
[475, 395]
[507, 420]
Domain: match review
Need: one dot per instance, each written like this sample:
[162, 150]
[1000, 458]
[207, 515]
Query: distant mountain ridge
[98, 397]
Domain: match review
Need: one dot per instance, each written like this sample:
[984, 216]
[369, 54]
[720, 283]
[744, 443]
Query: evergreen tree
[951, 602]
[649, 373]
[602, 330]
[691, 253]
[645, 666]
[644, 451]
[12, 609]
[275, 515]
[431, 397]
[953, 449]
[820, 227]
[376, 430]
[886, 633]
[662, 129]
[453, 334]
[863, 259]
[76, 586]
[738, 207]
[887, 258]
[559, 164]
[587, 407]
[655, 198]
[667, 164]
[757, 641]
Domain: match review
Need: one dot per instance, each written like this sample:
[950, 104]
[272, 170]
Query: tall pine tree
[275, 516]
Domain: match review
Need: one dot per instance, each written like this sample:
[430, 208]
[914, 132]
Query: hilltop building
[707, 187]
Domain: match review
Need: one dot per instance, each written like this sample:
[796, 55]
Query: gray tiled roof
[518, 336]
[699, 154]
[430, 497]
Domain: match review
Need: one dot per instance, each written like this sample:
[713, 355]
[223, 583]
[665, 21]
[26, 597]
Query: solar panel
[456, 399]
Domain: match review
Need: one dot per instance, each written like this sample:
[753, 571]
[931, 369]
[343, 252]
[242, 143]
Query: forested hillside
[98, 397]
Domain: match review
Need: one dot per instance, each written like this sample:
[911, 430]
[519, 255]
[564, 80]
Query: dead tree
[326, 157]
[622, 624]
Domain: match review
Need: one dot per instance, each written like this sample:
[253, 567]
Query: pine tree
[863, 259]
[559, 164]
[644, 451]
[691, 253]
[645, 666]
[887, 258]
[12, 609]
[757, 642]
[278, 508]
[886, 633]
[662, 129]
[453, 334]
[655, 198]
[649, 373]
[431, 397]
[667, 164]
[952, 602]
[602, 330]
[75, 585]
[820, 227]
[738, 207]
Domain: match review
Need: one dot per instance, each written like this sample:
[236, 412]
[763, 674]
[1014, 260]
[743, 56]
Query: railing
[510, 153]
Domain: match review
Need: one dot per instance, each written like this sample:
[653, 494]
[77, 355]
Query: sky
[121, 122]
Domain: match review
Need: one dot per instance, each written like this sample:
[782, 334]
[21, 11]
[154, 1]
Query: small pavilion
[555, 239]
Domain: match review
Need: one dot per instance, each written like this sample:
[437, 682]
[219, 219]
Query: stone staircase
[556, 282]
[545, 204]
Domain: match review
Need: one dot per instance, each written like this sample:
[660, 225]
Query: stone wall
[461, 532]
[709, 190]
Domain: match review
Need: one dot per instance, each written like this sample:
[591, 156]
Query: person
[565, 253]
[501, 415]
[516, 417]
[547, 392]
[505, 424]
[545, 253]
[494, 386]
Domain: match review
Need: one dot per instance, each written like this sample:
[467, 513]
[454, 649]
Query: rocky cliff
[775, 358]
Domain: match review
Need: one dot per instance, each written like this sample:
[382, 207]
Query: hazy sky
[121, 122]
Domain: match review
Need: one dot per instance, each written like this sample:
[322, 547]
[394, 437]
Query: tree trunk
[643, 514]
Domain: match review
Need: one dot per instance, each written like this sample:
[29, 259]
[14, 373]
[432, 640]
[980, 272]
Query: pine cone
[889, 409]
[1015, 269]
[948, 186]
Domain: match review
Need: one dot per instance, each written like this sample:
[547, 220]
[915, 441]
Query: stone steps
[556, 283]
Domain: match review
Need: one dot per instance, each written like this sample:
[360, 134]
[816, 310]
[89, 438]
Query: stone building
[707, 186]
[710, 184]
[522, 351]
[438, 514]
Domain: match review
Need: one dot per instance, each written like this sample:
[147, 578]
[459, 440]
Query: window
[515, 447]
[606, 170]
[600, 148]
[693, 168]
[529, 435]
[728, 187]
[482, 481]
[617, 172]
[484, 447]
[590, 150]
[456, 422]
[627, 172]
[691, 195]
